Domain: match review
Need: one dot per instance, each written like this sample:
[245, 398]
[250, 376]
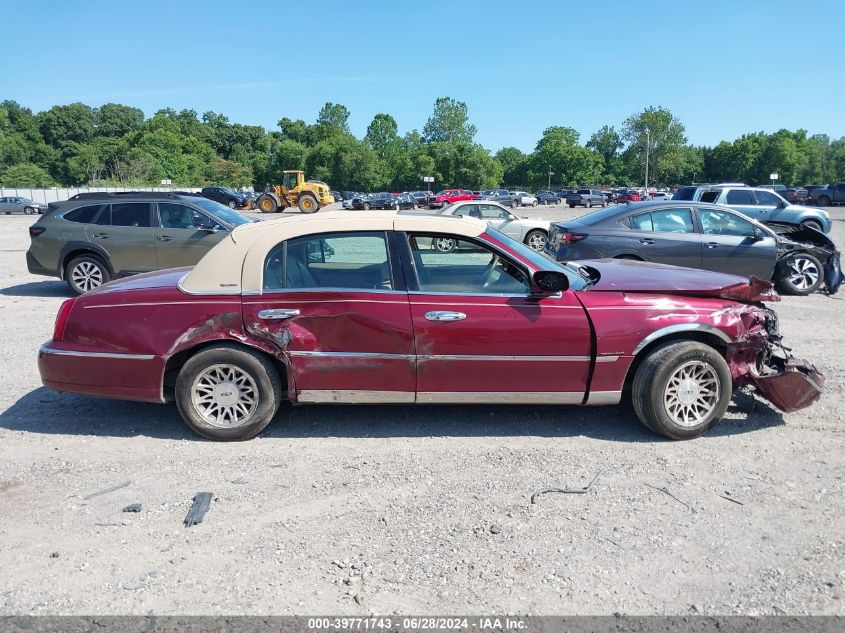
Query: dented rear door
[338, 311]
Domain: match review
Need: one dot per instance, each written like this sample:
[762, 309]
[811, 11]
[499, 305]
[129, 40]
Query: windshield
[538, 260]
[233, 218]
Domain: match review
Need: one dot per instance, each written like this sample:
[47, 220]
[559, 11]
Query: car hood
[622, 275]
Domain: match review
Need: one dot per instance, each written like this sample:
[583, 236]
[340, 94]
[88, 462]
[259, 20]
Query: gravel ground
[406, 509]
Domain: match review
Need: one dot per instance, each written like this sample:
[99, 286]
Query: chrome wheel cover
[444, 244]
[537, 242]
[86, 276]
[691, 393]
[224, 396]
[803, 273]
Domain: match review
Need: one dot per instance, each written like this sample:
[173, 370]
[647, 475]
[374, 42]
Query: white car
[533, 232]
[524, 199]
[347, 204]
[661, 195]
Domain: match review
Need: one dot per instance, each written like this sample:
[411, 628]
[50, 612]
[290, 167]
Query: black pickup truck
[829, 196]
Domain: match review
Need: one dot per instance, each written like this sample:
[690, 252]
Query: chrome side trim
[204, 292]
[162, 303]
[604, 397]
[681, 327]
[470, 294]
[500, 397]
[607, 359]
[332, 396]
[424, 357]
[281, 291]
[66, 352]
[368, 355]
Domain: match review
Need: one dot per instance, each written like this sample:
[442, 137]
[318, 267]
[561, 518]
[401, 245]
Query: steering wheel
[487, 276]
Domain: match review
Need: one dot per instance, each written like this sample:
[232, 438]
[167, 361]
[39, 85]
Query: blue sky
[724, 68]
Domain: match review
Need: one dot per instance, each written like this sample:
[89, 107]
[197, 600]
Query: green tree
[74, 122]
[559, 151]
[449, 123]
[383, 134]
[113, 119]
[667, 140]
[26, 175]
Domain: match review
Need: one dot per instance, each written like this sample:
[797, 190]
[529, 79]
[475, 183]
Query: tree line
[116, 144]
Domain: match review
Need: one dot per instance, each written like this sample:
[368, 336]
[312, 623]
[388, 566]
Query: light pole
[551, 173]
[647, 144]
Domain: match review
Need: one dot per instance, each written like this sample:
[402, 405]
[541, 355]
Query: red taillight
[569, 238]
[61, 319]
[35, 231]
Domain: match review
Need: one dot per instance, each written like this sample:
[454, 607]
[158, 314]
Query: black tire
[267, 204]
[266, 387]
[799, 274]
[232, 204]
[366, 206]
[823, 201]
[29, 210]
[571, 206]
[651, 382]
[534, 204]
[8, 212]
[534, 236]
[813, 224]
[86, 272]
[307, 204]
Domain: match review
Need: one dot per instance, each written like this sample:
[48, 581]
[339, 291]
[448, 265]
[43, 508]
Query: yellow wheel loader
[295, 191]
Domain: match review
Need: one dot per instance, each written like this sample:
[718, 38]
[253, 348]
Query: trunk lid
[167, 278]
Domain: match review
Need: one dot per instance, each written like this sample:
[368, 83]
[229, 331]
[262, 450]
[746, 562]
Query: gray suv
[587, 197]
[765, 205]
[95, 237]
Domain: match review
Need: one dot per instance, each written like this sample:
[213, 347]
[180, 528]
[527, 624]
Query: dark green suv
[94, 237]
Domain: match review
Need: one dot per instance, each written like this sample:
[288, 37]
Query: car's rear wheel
[682, 389]
[824, 201]
[232, 204]
[444, 244]
[228, 393]
[799, 274]
[85, 273]
[813, 224]
[534, 204]
[536, 240]
[366, 206]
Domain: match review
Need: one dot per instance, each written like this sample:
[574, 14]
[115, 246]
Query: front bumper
[795, 385]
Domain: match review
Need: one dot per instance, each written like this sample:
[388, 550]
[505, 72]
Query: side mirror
[758, 234]
[782, 204]
[206, 228]
[550, 281]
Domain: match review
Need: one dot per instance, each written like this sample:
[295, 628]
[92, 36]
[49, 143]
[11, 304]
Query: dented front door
[339, 314]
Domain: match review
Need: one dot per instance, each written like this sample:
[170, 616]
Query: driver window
[179, 216]
[492, 212]
[766, 198]
[446, 263]
[723, 223]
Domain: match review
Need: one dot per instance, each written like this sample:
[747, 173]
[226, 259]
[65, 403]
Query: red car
[368, 311]
[448, 196]
[629, 196]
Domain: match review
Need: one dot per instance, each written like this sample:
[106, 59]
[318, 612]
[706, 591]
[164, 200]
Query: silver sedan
[533, 232]
[19, 204]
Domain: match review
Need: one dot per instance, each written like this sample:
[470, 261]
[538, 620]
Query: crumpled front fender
[796, 386]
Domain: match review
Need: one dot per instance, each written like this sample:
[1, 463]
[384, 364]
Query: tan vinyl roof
[235, 265]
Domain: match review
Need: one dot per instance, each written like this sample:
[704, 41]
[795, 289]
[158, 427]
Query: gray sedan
[19, 204]
[700, 235]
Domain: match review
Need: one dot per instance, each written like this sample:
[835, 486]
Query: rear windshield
[684, 193]
[707, 196]
[598, 216]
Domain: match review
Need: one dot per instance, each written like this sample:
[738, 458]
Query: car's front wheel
[85, 273]
[682, 389]
[29, 210]
[813, 224]
[228, 393]
[799, 274]
[232, 204]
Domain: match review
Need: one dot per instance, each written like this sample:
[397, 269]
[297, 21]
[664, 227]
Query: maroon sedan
[347, 309]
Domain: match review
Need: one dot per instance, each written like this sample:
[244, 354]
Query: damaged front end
[759, 359]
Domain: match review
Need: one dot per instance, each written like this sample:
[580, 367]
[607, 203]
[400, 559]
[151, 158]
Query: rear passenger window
[130, 214]
[642, 222]
[708, 196]
[84, 215]
[673, 221]
[739, 196]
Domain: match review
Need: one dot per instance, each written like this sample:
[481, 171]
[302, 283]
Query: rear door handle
[712, 245]
[101, 236]
[646, 241]
[278, 314]
[164, 238]
[444, 315]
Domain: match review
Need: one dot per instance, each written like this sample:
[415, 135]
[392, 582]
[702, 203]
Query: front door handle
[164, 238]
[101, 236]
[278, 314]
[646, 241]
[444, 315]
[712, 245]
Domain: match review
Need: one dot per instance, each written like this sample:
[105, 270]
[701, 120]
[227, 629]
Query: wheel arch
[76, 249]
[176, 361]
[696, 332]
